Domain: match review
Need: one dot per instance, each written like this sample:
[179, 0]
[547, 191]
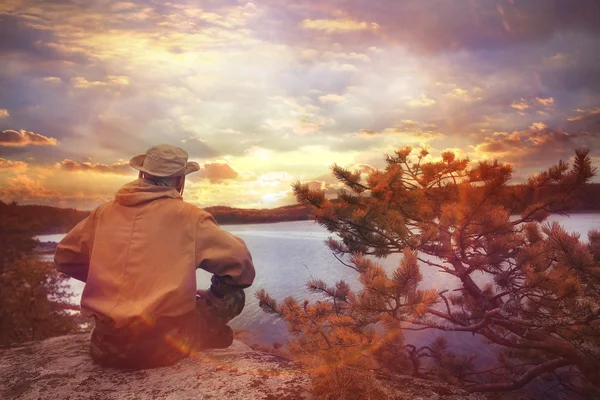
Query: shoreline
[237, 223]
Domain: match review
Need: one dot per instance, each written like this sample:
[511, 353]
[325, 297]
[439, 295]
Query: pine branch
[523, 379]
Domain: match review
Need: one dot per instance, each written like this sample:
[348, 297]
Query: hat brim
[137, 162]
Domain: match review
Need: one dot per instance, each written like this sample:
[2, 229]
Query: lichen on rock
[61, 368]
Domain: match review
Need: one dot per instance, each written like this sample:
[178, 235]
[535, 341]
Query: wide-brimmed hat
[164, 160]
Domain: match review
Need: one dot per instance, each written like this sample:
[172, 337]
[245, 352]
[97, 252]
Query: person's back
[138, 255]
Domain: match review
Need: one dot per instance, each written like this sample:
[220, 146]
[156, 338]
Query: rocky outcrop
[61, 368]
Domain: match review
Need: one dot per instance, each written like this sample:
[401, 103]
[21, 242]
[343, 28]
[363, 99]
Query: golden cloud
[119, 168]
[366, 133]
[11, 165]
[464, 94]
[332, 98]
[506, 142]
[521, 105]
[585, 114]
[545, 102]
[538, 141]
[217, 171]
[230, 131]
[23, 188]
[538, 126]
[424, 101]
[27, 190]
[80, 82]
[4, 113]
[23, 138]
[338, 25]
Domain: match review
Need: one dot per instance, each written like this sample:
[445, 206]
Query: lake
[288, 254]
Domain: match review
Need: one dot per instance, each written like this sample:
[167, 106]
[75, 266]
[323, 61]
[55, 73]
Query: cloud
[521, 105]
[423, 101]
[258, 152]
[434, 27]
[230, 131]
[233, 17]
[217, 171]
[585, 114]
[338, 25]
[367, 133]
[464, 94]
[274, 178]
[51, 79]
[538, 126]
[23, 138]
[332, 98]
[352, 56]
[545, 101]
[12, 165]
[299, 126]
[4, 113]
[286, 79]
[407, 131]
[417, 134]
[20, 36]
[23, 188]
[295, 115]
[363, 168]
[270, 198]
[537, 144]
[119, 168]
[80, 82]
[26, 190]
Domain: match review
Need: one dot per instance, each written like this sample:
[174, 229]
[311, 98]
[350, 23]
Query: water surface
[288, 254]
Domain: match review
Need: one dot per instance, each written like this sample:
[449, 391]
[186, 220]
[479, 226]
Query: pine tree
[540, 302]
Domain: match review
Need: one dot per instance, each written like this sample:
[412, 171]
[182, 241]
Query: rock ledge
[61, 368]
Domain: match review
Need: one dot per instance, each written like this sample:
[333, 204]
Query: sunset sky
[268, 92]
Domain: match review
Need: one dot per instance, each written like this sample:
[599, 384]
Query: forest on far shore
[49, 220]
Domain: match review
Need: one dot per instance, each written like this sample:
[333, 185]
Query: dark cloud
[575, 67]
[451, 25]
[23, 138]
[17, 37]
[537, 145]
[20, 37]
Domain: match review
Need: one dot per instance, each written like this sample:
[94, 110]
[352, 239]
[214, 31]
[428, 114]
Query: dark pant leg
[173, 343]
[212, 316]
[138, 352]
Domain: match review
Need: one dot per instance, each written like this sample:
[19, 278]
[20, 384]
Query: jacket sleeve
[72, 255]
[224, 255]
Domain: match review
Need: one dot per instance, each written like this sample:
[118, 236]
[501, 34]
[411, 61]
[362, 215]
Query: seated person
[138, 256]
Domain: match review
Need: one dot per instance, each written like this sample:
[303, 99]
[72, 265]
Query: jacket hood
[141, 191]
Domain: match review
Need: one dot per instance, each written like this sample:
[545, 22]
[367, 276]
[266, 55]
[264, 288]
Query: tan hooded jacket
[138, 255]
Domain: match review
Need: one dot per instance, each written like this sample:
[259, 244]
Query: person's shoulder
[198, 212]
[101, 208]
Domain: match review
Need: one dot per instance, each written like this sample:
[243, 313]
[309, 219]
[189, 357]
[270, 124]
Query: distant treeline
[585, 199]
[38, 220]
[230, 216]
[45, 219]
